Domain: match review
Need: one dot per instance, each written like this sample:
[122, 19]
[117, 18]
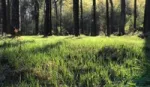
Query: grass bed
[68, 61]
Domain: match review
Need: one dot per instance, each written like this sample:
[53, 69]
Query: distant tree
[107, 17]
[76, 17]
[81, 21]
[123, 18]
[112, 16]
[36, 8]
[94, 21]
[15, 15]
[147, 17]
[4, 16]
[135, 13]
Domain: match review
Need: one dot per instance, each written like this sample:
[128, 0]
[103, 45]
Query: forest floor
[68, 61]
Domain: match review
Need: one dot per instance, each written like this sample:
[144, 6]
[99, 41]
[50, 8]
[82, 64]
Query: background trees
[95, 16]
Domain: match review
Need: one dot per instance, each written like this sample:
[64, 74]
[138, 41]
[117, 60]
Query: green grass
[68, 61]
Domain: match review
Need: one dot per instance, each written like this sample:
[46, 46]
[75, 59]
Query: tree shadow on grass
[47, 48]
[9, 72]
[14, 44]
[144, 80]
[73, 37]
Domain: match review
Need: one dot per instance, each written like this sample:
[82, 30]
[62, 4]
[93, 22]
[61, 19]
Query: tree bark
[50, 18]
[15, 15]
[81, 21]
[4, 17]
[56, 14]
[94, 29]
[20, 16]
[36, 7]
[8, 16]
[47, 17]
[60, 22]
[123, 18]
[107, 17]
[112, 17]
[76, 17]
[147, 17]
[135, 13]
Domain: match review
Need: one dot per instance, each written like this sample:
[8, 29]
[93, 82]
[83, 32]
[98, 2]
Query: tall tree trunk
[112, 17]
[94, 29]
[36, 7]
[47, 17]
[20, 16]
[123, 18]
[76, 17]
[81, 22]
[147, 17]
[50, 18]
[8, 16]
[4, 17]
[15, 15]
[107, 17]
[56, 14]
[60, 22]
[135, 13]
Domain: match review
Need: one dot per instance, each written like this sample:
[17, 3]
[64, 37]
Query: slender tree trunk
[76, 17]
[56, 14]
[60, 22]
[81, 21]
[112, 16]
[145, 12]
[4, 26]
[123, 18]
[50, 18]
[47, 18]
[135, 14]
[15, 15]
[36, 7]
[20, 16]
[8, 16]
[107, 17]
[94, 29]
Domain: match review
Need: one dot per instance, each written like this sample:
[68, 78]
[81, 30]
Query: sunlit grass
[74, 61]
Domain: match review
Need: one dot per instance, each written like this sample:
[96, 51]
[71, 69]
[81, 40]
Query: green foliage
[74, 61]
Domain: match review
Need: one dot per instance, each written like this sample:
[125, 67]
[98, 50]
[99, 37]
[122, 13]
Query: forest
[74, 43]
